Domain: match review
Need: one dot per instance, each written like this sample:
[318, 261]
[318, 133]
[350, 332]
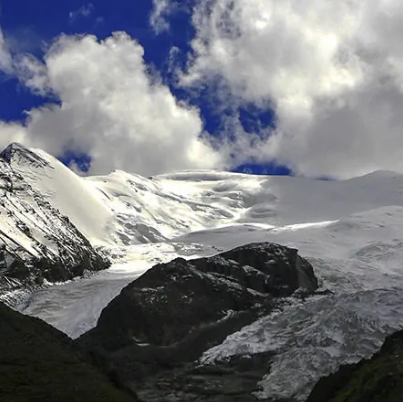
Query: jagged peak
[17, 153]
[12, 148]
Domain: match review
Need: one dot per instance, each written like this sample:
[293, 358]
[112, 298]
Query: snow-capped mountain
[37, 242]
[350, 231]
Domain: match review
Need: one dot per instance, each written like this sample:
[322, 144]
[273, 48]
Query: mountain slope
[61, 187]
[39, 363]
[123, 209]
[350, 231]
[37, 243]
[379, 379]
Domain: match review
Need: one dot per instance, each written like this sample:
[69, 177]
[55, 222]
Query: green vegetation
[379, 379]
[39, 363]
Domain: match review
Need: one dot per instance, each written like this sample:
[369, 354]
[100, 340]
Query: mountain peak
[17, 153]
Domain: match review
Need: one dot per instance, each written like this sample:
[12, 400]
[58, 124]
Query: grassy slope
[39, 363]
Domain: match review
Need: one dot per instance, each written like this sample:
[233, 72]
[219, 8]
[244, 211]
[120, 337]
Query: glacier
[351, 231]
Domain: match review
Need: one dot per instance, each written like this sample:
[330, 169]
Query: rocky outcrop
[379, 379]
[39, 363]
[151, 335]
[37, 243]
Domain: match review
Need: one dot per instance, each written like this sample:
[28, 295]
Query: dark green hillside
[39, 363]
[379, 379]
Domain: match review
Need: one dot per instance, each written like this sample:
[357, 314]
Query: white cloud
[5, 56]
[333, 70]
[111, 108]
[13, 132]
[84, 11]
[32, 73]
[159, 16]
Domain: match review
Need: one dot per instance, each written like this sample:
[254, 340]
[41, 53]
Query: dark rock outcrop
[379, 379]
[39, 363]
[151, 336]
[171, 300]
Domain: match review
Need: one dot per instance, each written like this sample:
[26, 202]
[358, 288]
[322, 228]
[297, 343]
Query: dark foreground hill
[379, 379]
[38, 363]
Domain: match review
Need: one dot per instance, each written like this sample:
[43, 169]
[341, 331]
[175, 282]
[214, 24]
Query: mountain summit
[17, 154]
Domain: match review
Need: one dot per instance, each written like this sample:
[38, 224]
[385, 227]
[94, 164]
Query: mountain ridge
[350, 231]
[38, 244]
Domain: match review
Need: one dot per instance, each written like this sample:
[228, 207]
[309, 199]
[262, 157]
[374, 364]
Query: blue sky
[42, 21]
[259, 86]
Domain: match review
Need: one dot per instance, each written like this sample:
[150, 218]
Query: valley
[351, 232]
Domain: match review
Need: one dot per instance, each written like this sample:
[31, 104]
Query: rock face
[379, 379]
[150, 336]
[37, 242]
[39, 363]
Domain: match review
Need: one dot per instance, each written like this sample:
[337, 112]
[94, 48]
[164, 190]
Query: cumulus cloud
[332, 70]
[110, 108]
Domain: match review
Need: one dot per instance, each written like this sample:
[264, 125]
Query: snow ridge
[37, 243]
